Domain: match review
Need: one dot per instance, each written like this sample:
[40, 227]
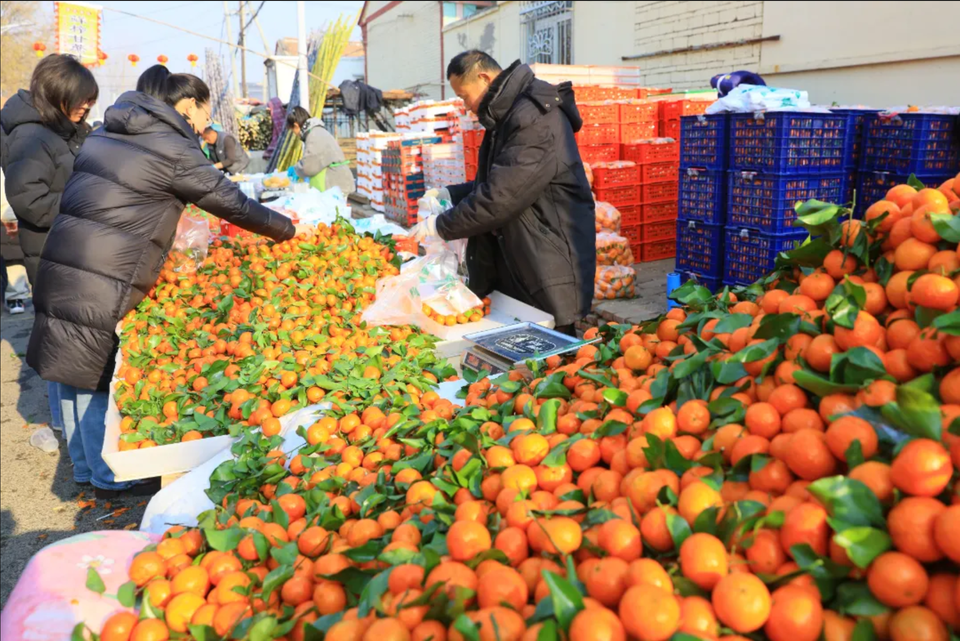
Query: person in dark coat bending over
[226, 152]
[529, 214]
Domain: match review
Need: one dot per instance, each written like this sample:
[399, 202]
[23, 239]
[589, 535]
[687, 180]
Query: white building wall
[403, 48]
[495, 31]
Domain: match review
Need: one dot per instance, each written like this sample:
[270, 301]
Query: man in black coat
[117, 221]
[37, 161]
[529, 213]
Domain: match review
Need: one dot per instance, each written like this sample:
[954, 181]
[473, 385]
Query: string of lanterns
[40, 49]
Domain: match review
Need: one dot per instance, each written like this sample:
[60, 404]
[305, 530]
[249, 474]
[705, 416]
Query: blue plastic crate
[700, 248]
[853, 138]
[911, 143]
[713, 284]
[787, 142]
[848, 191]
[874, 185]
[703, 141]
[703, 195]
[750, 255]
[766, 201]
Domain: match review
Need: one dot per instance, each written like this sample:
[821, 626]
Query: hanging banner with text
[78, 30]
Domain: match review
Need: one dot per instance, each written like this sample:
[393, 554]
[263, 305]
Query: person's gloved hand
[424, 229]
[292, 173]
[440, 194]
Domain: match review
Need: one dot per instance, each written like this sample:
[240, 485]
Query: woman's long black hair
[59, 85]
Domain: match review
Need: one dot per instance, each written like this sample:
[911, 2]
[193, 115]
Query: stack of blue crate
[704, 157]
[852, 149]
[897, 145]
[776, 160]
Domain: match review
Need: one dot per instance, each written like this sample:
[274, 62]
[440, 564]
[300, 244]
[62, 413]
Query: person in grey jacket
[323, 163]
[226, 152]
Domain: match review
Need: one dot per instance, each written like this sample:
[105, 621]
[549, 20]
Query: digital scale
[504, 348]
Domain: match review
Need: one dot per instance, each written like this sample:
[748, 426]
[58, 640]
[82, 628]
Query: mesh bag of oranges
[613, 249]
[607, 217]
[589, 172]
[616, 281]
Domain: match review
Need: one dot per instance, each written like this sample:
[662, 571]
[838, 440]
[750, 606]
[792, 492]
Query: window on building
[548, 32]
[469, 10]
[449, 9]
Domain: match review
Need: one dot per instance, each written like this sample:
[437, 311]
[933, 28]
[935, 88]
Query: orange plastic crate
[674, 109]
[629, 132]
[657, 212]
[638, 112]
[670, 129]
[619, 196]
[660, 172]
[631, 215]
[633, 233]
[599, 113]
[658, 250]
[598, 134]
[470, 169]
[615, 93]
[659, 192]
[604, 177]
[647, 152]
[599, 153]
[663, 230]
[585, 93]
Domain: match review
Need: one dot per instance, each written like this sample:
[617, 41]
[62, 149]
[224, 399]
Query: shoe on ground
[146, 488]
[16, 307]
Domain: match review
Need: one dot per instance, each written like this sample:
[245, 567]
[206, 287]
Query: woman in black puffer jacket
[118, 219]
[43, 131]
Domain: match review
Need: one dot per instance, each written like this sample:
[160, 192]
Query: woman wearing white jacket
[323, 163]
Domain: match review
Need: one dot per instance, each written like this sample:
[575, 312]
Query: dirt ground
[39, 502]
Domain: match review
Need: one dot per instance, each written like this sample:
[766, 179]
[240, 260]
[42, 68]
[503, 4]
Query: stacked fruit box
[655, 215]
[403, 181]
[437, 118]
[443, 164]
[370, 148]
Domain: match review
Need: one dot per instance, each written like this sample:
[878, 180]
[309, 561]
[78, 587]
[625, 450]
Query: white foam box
[504, 310]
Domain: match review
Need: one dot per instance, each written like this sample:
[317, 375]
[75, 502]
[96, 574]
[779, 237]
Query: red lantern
[162, 59]
[134, 59]
[39, 48]
[102, 57]
[193, 59]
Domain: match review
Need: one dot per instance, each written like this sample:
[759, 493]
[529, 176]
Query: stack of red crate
[655, 216]
[403, 182]
[471, 151]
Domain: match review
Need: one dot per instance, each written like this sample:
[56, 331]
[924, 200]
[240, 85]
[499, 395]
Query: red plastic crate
[659, 172]
[472, 138]
[659, 192]
[658, 91]
[598, 134]
[657, 212]
[591, 154]
[638, 112]
[633, 233]
[598, 112]
[663, 230]
[619, 196]
[657, 250]
[470, 169]
[631, 215]
[585, 93]
[670, 129]
[647, 152]
[615, 93]
[604, 177]
[674, 109]
[630, 132]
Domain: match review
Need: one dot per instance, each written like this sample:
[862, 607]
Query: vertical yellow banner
[78, 30]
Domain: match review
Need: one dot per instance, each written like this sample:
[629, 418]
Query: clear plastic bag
[613, 249]
[614, 282]
[589, 171]
[608, 218]
[431, 281]
[190, 244]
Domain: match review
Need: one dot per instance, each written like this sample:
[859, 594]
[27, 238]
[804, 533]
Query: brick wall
[667, 25]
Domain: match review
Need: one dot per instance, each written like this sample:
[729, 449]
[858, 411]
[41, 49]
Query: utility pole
[243, 52]
[302, 55]
[232, 52]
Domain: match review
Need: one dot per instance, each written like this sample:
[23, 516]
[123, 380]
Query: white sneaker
[16, 307]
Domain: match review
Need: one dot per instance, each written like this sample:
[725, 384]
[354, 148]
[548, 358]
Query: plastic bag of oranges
[589, 172]
[613, 249]
[616, 281]
[608, 217]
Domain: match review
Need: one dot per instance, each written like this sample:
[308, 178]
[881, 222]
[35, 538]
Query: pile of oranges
[252, 335]
[777, 462]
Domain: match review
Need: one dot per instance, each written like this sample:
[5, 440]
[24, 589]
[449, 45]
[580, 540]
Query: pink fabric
[51, 596]
[279, 116]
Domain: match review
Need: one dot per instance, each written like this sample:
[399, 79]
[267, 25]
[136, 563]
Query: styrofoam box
[504, 310]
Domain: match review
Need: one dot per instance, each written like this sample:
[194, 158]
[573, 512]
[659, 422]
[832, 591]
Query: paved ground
[39, 502]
